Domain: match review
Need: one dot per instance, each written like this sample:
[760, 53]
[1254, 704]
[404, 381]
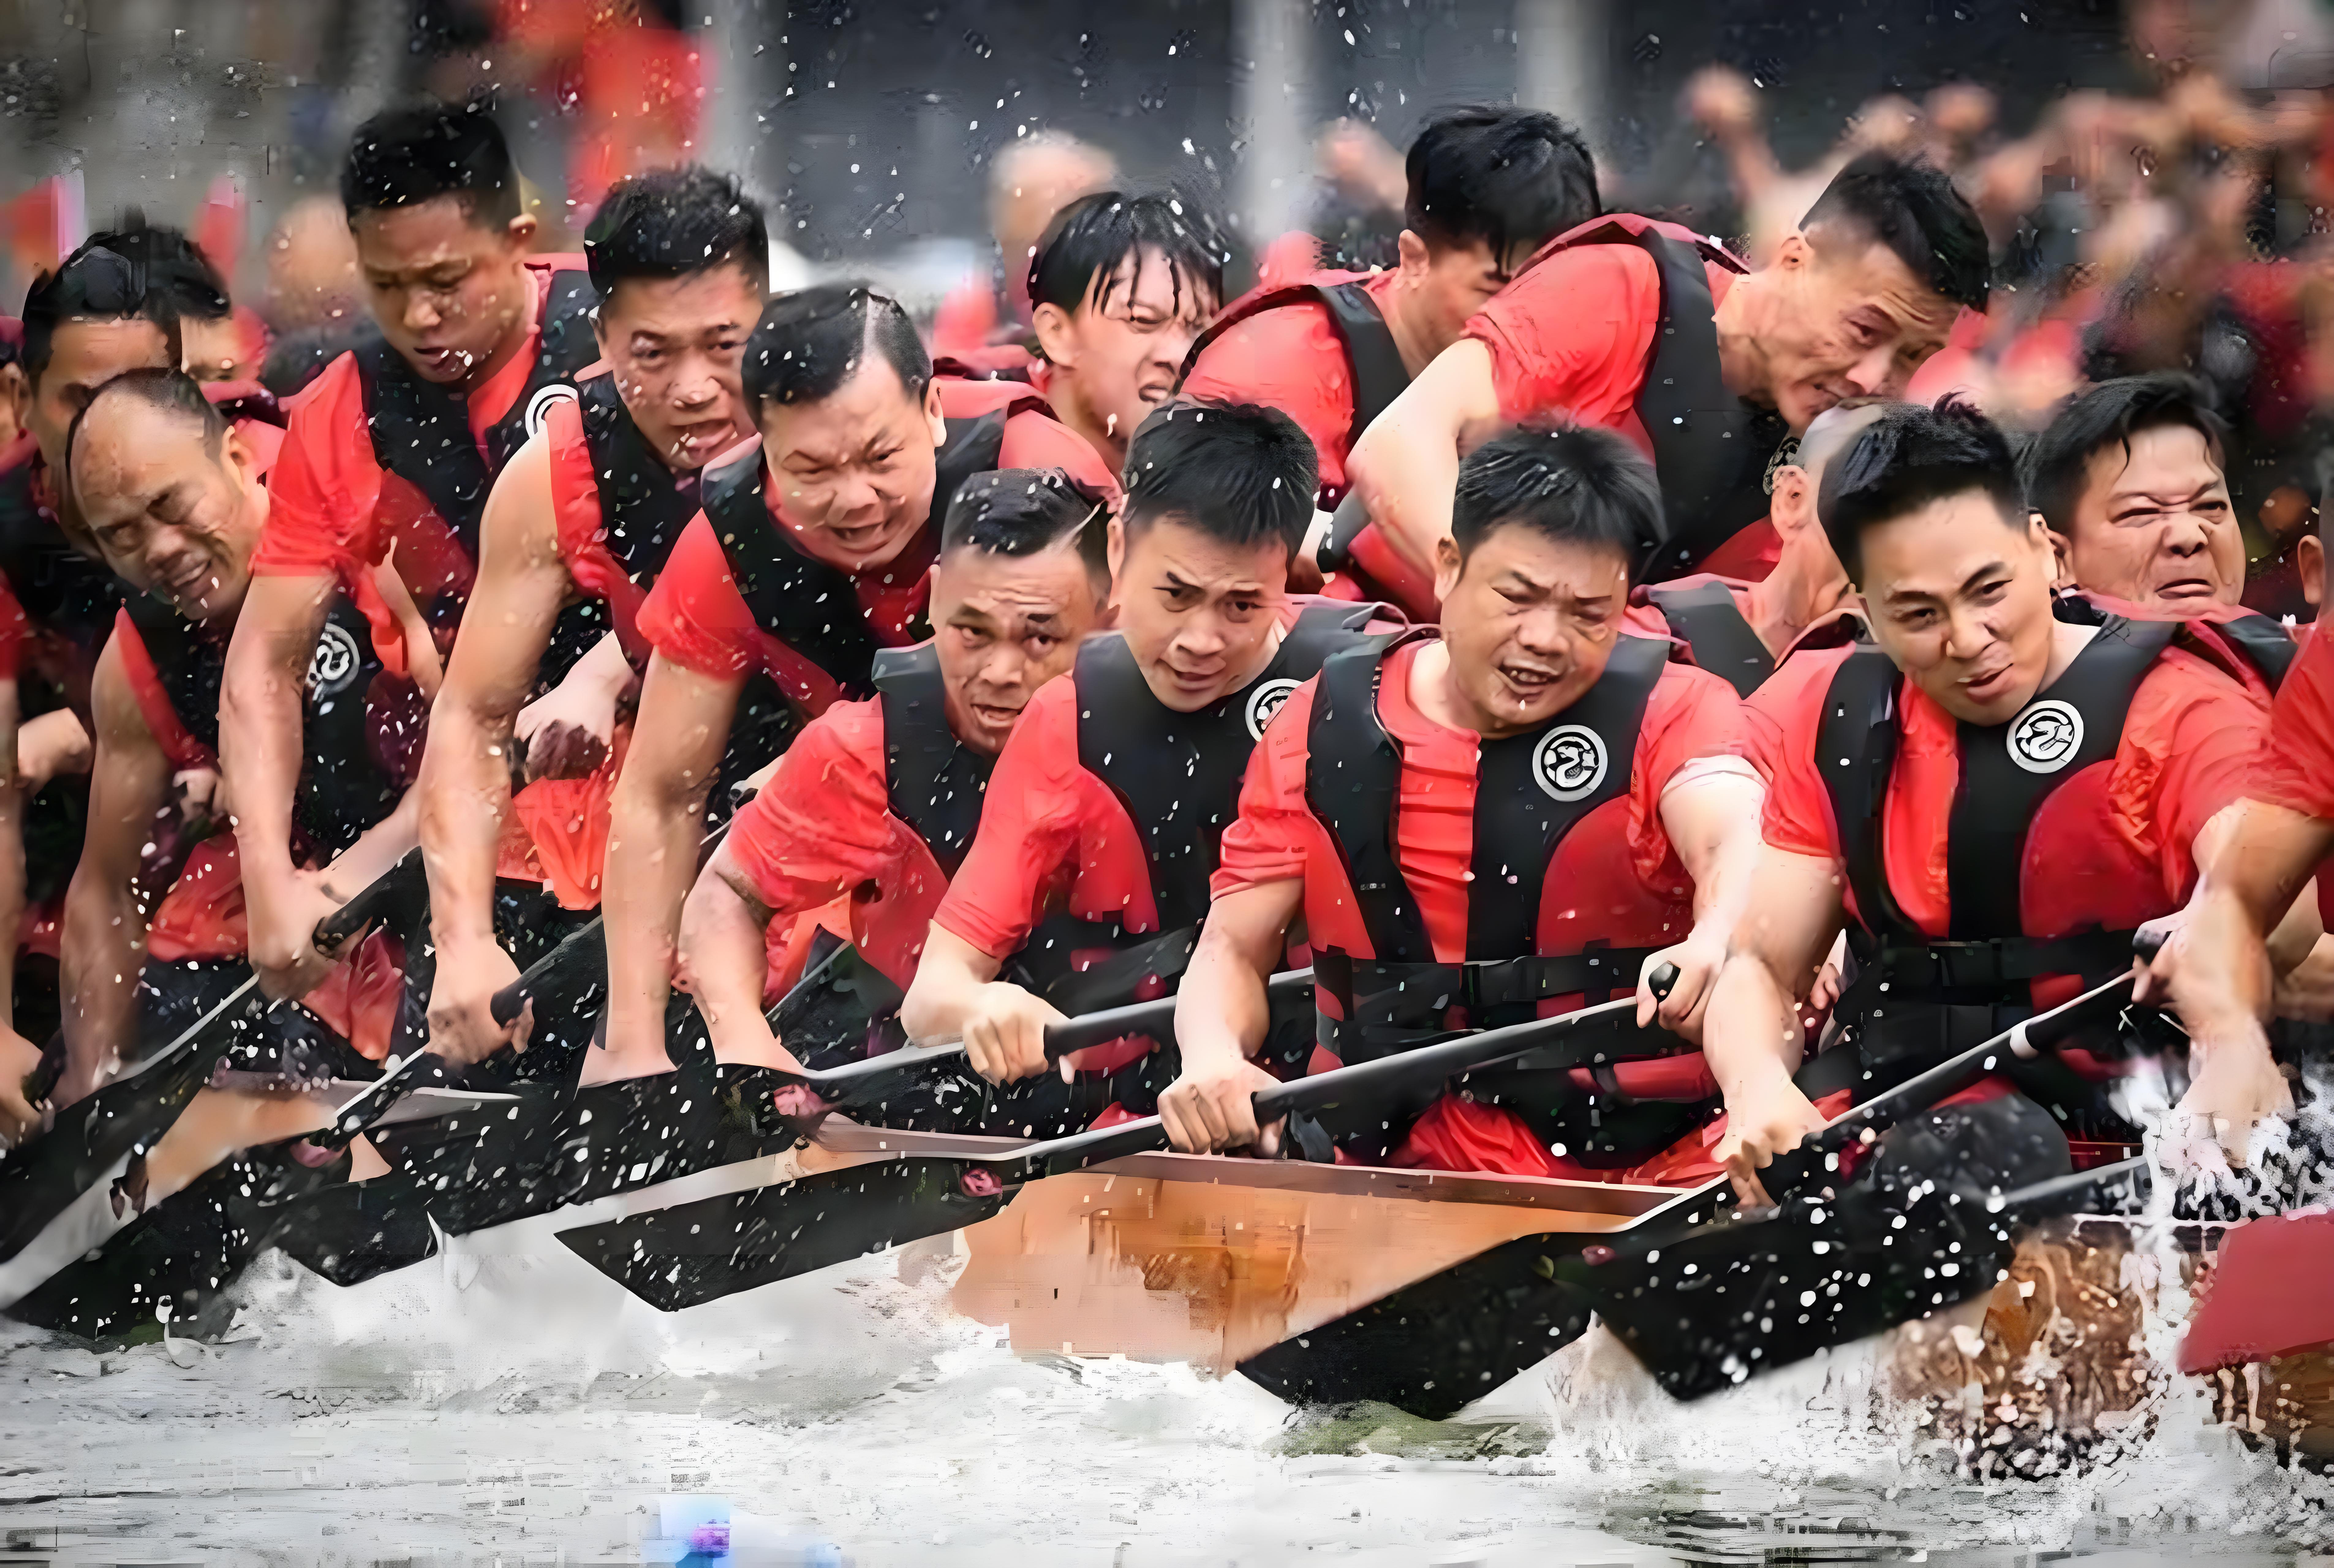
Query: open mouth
[1529, 680]
[1987, 686]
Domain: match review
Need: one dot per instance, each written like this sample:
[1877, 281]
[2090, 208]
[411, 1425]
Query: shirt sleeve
[2297, 767]
[824, 822]
[1269, 840]
[324, 487]
[1556, 333]
[1690, 715]
[1288, 359]
[1028, 842]
[694, 615]
[2191, 747]
[1778, 723]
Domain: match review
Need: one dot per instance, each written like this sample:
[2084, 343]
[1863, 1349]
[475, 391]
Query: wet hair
[1575, 484]
[670, 223]
[1239, 473]
[174, 265]
[2058, 465]
[113, 277]
[1509, 178]
[1079, 257]
[1021, 512]
[406, 155]
[1912, 207]
[810, 342]
[170, 391]
[1910, 458]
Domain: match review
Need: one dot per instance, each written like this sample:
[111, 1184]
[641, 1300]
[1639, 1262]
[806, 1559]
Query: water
[503, 1403]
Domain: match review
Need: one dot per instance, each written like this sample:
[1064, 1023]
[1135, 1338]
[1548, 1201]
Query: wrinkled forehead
[128, 452]
[870, 407]
[1941, 549]
[1169, 543]
[2168, 462]
[421, 235]
[86, 350]
[1564, 568]
[1860, 269]
[1042, 585]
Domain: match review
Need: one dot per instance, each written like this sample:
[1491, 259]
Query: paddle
[40, 1178]
[1435, 1345]
[698, 1252]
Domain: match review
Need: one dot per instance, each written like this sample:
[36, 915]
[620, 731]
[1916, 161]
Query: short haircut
[2058, 465]
[1912, 457]
[1509, 178]
[1912, 207]
[810, 342]
[1239, 473]
[107, 279]
[1575, 484]
[1829, 432]
[406, 155]
[670, 223]
[1078, 258]
[1024, 512]
[176, 265]
[171, 391]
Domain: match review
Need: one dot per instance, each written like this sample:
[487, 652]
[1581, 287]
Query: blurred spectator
[1028, 182]
[312, 269]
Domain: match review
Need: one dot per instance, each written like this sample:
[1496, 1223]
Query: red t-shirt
[2189, 743]
[1290, 358]
[1034, 436]
[1691, 714]
[2297, 769]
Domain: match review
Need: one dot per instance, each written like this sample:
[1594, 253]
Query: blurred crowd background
[2155, 175]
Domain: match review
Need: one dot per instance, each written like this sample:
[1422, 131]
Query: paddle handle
[372, 902]
[582, 946]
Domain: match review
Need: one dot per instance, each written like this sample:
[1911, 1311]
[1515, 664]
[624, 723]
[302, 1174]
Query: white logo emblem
[2046, 735]
[538, 408]
[1266, 700]
[1569, 762]
[334, 662]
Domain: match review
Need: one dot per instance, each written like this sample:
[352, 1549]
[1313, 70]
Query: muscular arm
[1713, 821]
[1221, 1013]
[104, 938]
[260, 744]
[725, 960]
[656, 821]
[18, 1057]
[1406, 465]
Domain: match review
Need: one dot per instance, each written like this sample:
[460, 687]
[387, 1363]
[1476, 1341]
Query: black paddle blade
[1432, 1347]
[700, 1251]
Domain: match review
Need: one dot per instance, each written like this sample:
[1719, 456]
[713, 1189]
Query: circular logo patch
[1266, 700]
[538, 408]
[1569, 762]
[2044, 737]
[334, 662]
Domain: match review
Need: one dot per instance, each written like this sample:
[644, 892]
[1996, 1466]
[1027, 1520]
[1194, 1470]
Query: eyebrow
[2125, 497]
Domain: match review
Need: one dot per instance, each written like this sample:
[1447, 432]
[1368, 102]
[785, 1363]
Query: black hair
[1576, 484]
[671, 222]
[1510, 178]
[405, 156]
[170, 390]
[1239, 473]
[1907, 458]
[108, 279]
[1025, 511]
[810, 342]
[1912, 207]
[2058, 465]
[174, 265]
[1083, 247]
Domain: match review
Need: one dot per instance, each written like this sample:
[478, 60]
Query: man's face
[1959, 597]
[675, 346]
[854, 471]
[1197, 613]
[215, 350]
[1004, 626]
[168, 516]
[1530, 623]
[1125, 344]
[2157, 530]
[1848, 318]
[1444, 287]
[83, 355]
[446, 291]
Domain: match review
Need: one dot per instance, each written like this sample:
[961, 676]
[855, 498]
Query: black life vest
[810, 606]
[60, 589]
[346, 783]
[421, 431]
[1913, 999]
[1711, 450]
[1708, 620]
[934, 782]
[1532, 790]
[2264, 644]
[1373, 366]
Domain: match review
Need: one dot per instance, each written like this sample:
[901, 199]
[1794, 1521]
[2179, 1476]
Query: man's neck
[1740, 363]
[1789, 600]
[1409, 340]
[1072, 410]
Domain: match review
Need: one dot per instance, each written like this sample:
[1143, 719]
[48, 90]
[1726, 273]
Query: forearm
[1406, 473]
[949, 980]
[653, 833]
[260, 739]
[464, 803]
[1222, 1009]
[376, 852]
[725, 961]
[105, 948]
[1753, 1034]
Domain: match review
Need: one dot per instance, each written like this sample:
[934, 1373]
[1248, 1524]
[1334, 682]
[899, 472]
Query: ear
[15, 391]
[1114, 552]
[936, 419]
[2062, 552]
[1792, 506]
[1412, 251]
[519, 233]
[2310, 564]
[1796, 252]
[1057, 336]
[1447, 567]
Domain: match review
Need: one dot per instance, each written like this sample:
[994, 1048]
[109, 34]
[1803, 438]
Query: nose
[1878, 373]
[1172, 343]
[421, 313]
[695, 385]
[1201, 635]
[1003, 668]
[2185, 534]
[1540, 633]
[1967, 635]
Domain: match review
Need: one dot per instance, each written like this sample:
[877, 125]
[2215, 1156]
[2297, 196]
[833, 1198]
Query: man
[175, 498]
[876, 802]
[1533, 805]
[1090, 872]
[1857, 296]
[392, 450]
[813, 550]
[576, 531]
[1487, 188]
[1994, 800]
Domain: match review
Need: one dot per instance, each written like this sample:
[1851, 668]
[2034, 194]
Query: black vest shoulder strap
[2264, 643]
[1379, 375]
[1706, 619]
[190, 666]
[643, 504]
[1856, 752]
[973, 447]
[2009, 770]
[810, 606]
[934, 782]
[1353, 781]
